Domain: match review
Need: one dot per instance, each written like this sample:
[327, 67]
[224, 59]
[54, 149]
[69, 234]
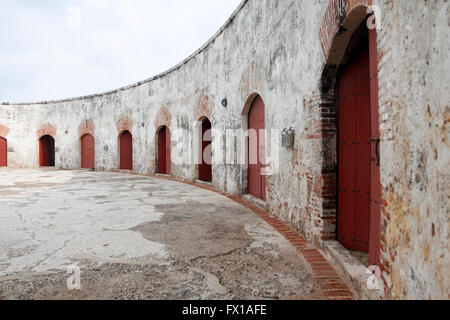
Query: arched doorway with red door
[47, 151]
[256, 149]
[87, 152]
[205, 156]
[126, 151]
[163, 160]
[358, 173]
[3, 152]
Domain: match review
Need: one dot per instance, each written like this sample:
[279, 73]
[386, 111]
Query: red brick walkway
[333, 288]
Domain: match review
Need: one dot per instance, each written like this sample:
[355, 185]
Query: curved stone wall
[283, 50]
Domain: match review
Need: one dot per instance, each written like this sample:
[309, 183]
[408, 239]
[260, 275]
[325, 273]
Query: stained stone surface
[135, 237]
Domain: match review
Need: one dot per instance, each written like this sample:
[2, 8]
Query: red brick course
[47, 129]
[86, 127]
[3, 131]
[124, 124]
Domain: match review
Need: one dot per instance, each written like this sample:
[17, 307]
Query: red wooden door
[47, 151]
[126, 151]
[164, 157]
[354, 149]
[205, 168]
[375, 183]
[3, 152]
[162, 151]
[87, 152]
[168, 152]
[256, 125]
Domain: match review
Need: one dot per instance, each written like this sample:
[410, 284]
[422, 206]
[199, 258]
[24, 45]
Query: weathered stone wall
[280, 50]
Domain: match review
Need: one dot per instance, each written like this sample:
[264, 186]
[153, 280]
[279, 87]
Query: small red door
[256, 152]
[354, 149]
[87, 152]
[126, 151]
[205, 168]
[164, 156]
[47, 151]
[162, 151]
[168, 152]
[3, 152]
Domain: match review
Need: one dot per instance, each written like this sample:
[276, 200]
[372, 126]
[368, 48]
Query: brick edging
[331, 285]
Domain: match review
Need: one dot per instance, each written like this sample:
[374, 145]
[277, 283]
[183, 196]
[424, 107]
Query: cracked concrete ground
[137, 237]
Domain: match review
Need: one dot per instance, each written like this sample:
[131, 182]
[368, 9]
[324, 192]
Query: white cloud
[114, 43]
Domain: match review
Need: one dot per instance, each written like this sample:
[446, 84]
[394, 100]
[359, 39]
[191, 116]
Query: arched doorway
[256, 149]
[164, 153]
[3, 152]
[359, 187]
[47, 151]
[205, 167]
[87, 152]
[126, 151]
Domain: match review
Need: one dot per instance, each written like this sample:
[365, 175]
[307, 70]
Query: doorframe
[54, 151]
[244, 126]
[80, 146]
[161, 127]
[119, 151]
[335, 46]
[198, 156]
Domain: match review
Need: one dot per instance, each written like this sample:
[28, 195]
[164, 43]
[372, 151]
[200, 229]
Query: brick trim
[124, 124]
[47, 129]
[203, 109]
[333, 19]
[87, 127]
[4, 130]
[164, 118]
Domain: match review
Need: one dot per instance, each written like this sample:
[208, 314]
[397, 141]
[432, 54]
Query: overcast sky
[51, 49]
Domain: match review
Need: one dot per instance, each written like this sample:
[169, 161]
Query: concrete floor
[137, 237]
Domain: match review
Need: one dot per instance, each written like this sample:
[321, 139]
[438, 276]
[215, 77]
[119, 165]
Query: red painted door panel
[162, 151]
[87, 152]
[362, 153]
[347, 161]
[256, 125]
[46, 151]
[205, 168]
[3, 152]
[375, 183]
[126, 151]
[354, 171]
[168, 152]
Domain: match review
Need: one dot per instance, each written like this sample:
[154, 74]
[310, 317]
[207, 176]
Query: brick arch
[124, 124]
[163, 118]
[4, 130]
[203, 109]
[86, 127]
[47, 129]
[341, 19]
[248, 102]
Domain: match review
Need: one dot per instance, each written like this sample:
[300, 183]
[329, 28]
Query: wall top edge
[137, 84]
